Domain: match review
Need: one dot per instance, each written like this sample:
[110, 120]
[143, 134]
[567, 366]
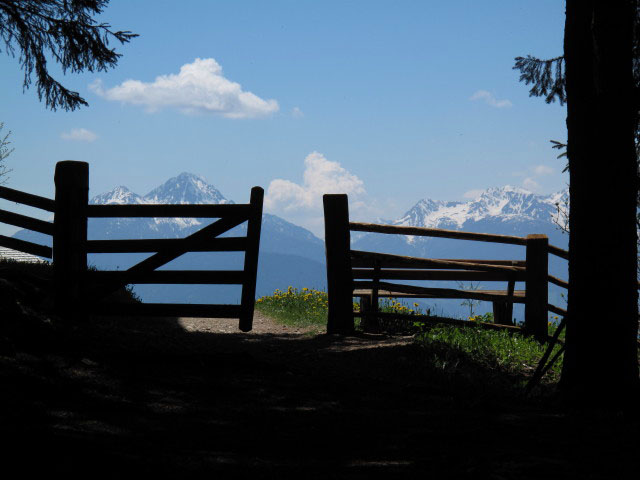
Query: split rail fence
[370, 275]
[79, 291]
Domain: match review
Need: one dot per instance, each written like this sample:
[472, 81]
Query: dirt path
[194, 398]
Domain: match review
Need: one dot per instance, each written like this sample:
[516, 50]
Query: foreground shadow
[120, 398]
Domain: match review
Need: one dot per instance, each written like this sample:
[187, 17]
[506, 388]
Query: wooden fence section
[26, 222]
[78, 290]
[367, 274]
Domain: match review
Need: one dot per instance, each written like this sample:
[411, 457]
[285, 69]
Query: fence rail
[368, 275]
[435, 232]
[164, 210]
[79, 290]
[191, 277]
[225, 244]
[27, 247]
[28, 199]
[26, 222]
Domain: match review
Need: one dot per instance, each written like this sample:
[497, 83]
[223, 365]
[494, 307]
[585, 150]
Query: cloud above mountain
[320, 176]
[490, 99]
[532, 178]
[79, 135]
[302, 203]
[199, 87]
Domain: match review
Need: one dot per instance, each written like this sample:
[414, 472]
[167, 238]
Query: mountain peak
[498, 203]
[120, 195]
[507, 189]
[186, 188]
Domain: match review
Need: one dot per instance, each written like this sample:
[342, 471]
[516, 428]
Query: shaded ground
[188, 399]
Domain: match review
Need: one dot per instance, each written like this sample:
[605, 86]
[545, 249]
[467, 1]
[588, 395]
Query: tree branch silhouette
[62, 30]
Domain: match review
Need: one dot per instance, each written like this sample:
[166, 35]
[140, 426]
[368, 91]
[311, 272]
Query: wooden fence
[78, 290]
[352, 273]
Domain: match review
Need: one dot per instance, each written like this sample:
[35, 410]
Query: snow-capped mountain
[184, 189]
[504, 211]
[118, 196]
[503, 204]
[289, 254]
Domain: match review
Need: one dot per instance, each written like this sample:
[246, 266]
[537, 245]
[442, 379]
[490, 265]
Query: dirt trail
[195, 397]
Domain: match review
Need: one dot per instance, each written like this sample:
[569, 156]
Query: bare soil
[189, 398]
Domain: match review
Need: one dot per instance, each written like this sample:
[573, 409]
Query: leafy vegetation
[305, 308]
[453, 347]
[449, 348]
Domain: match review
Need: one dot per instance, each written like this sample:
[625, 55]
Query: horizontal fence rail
[29, 223]
[79, 290]
[557, 281]
[27, 247]
[366, 259]
[371, 275]
[189, 277]
[431, 292]
[179, 211]
[557, 310]
[461, 275]
[28, 199]
[225, 244]
[559, 252]
[435, 232]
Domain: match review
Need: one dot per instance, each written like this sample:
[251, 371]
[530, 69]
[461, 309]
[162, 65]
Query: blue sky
[390, 102]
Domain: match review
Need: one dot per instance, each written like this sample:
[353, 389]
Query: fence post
[70, 236]
[254, 226]
[503, 311]
[537, 294]
[339, 276]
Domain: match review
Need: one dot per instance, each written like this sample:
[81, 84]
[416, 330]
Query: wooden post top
[537, 236]
[72, 172]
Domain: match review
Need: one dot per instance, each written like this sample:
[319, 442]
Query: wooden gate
[79, 290]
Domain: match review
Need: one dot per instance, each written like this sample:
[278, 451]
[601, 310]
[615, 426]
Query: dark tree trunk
[600, 366]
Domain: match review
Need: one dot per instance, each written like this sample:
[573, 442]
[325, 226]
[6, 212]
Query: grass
[304, 308]
[512, 353]
[448, 348]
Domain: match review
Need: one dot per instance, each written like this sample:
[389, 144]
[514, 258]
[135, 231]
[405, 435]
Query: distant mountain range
[289, 254]
[504, 211]
[292, 255]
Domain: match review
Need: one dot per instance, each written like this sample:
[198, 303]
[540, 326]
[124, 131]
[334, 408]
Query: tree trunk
[600, 366]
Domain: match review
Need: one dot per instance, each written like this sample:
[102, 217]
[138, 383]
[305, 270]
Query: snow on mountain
[118, 196]
[502, 204]
[504, 211]
[186, 188]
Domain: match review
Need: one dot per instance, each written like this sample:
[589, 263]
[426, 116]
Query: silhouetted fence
[367, 275]
[78, 290]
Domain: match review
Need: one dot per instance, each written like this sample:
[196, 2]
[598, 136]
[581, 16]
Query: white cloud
[79, 135]
[490, 99]
[200, 87]
[296, 112]
[320, 176]
[530, 184]
[473, 194]
[542, 170]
